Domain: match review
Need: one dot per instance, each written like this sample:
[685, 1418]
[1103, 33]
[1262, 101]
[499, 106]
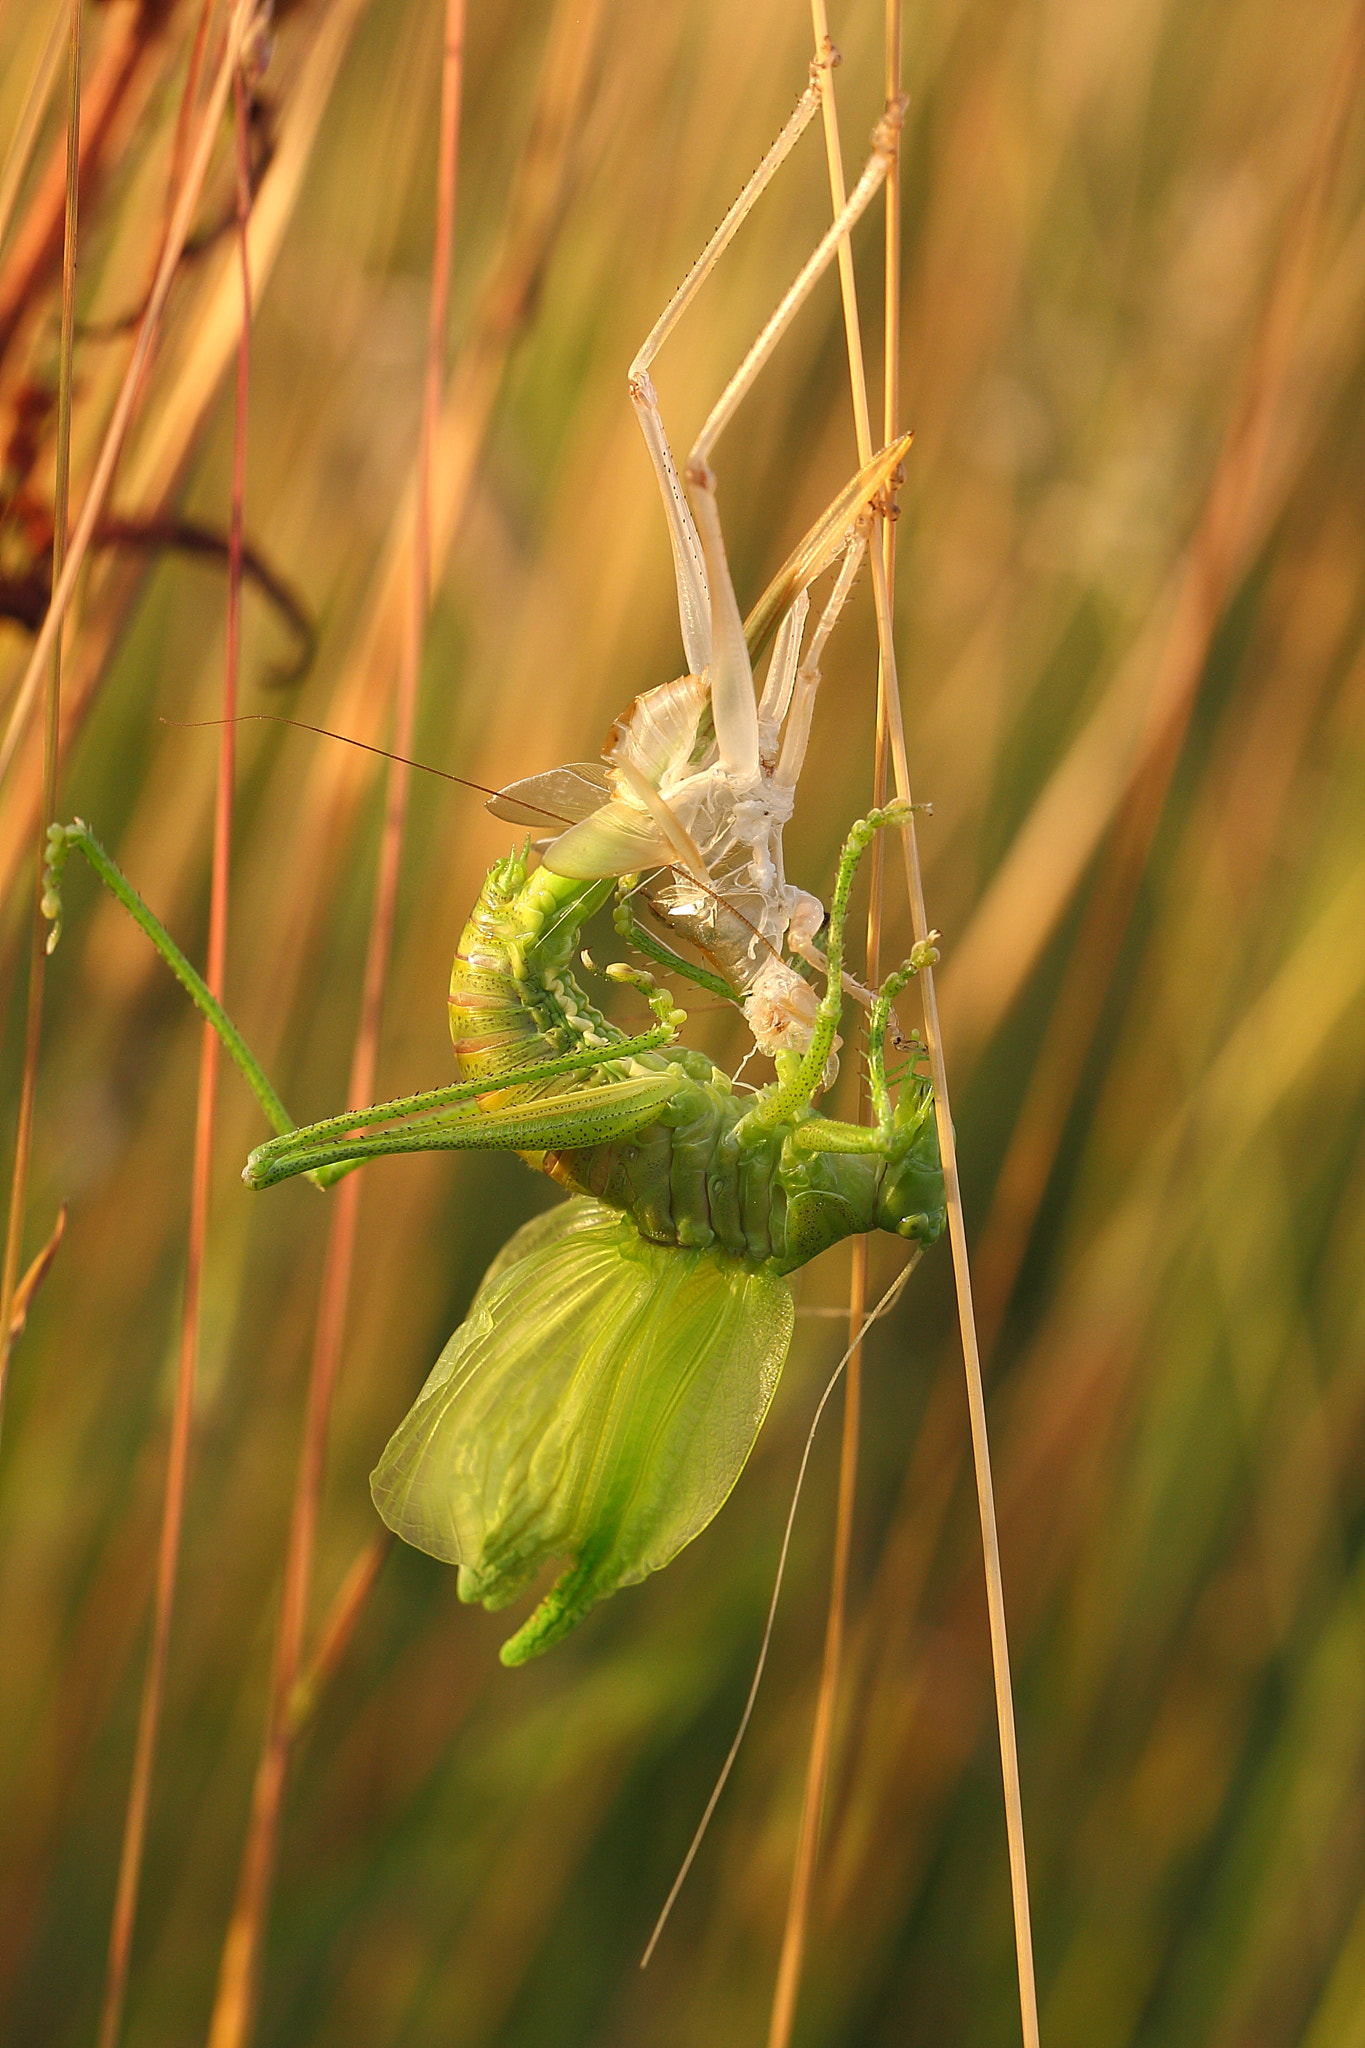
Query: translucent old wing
[597, 1404]
[657, 731]
[559, 797]
[618, 839]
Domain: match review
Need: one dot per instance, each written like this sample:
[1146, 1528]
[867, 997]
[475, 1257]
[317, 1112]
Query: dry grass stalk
[37, 965]
[889, 718]
[201, 1174]
[234, 2007]
[1096, 205]
[102, 477]
[787, 1985]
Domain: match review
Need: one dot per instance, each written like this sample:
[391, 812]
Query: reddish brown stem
[64, 583]
[239, 1971]
[33, 1031]
[182, 1417]
[822, 1733]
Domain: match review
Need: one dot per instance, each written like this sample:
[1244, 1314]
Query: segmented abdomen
[688, 1176]
[512, 1001]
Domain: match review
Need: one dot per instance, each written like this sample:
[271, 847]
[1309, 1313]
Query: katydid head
[910, 1200]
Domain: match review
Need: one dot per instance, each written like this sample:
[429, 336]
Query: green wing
[597, 1404]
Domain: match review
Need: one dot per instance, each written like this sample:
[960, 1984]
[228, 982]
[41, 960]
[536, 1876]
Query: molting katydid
[604, 1392]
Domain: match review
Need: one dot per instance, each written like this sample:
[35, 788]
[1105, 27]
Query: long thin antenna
[346, 739]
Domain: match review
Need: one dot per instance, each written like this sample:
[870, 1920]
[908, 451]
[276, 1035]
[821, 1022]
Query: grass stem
[239, 1971]
[52, 725]
[201, 1177]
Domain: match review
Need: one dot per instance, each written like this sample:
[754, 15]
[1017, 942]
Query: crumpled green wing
[598, 1403]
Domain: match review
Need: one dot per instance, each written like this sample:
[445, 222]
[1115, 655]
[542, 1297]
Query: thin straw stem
[822, 1731]
[37, 976]
[194, 71]
[239, 1968]
[848, 290]
[30, 120]
[784, 2003]
[239, 1971]
[215, 974]
[976, 1402]
[339, 1624]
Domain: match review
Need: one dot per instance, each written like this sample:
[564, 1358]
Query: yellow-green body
[702, 1172]
[602, 1395]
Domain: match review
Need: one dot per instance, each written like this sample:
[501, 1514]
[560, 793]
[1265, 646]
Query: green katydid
[602, 1395]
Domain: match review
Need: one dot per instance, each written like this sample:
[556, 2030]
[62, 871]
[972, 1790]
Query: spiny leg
[712, 634]
[326, 1150]
[732, 689]
[586, 1117]
[797, 122]
[923, 954]
[629, 928]
[694, 607]
[897, 1128]
[337, 1144]
[61, 839]
[874, 174]
[797, 1087]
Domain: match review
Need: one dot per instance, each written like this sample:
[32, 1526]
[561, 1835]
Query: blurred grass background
[1132, 634]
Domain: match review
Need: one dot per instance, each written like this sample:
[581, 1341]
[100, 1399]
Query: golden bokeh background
[1131, 624]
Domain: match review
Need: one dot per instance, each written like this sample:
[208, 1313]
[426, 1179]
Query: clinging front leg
[797, 1086]
[629, 928]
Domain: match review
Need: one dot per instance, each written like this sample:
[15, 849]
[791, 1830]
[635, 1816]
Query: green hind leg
[450, 1119]
[447, 1118]
[61, 839]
